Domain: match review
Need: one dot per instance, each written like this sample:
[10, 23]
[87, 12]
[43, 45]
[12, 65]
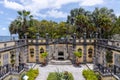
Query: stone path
[76, 71]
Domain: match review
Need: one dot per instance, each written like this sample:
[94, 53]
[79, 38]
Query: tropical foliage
[60, 76]
[78, 54]
[101, 20]
[32, 74]
[44, 55]
[90, 75]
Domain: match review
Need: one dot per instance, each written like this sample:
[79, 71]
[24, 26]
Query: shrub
[89, 75]
[32, 74]
[78, 54]
[60, 76]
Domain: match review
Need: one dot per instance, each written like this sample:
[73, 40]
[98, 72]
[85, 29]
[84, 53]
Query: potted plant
[43, 56]
[78, 56]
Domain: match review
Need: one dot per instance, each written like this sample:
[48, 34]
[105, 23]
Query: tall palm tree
[20, 25]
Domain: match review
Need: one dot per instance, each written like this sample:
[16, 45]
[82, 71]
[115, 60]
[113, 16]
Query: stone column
[37, 48]
[74, 45]
[47, 45]
[85, 48]
[95, 58]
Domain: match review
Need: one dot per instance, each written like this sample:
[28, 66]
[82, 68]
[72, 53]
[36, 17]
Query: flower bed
[60, 76]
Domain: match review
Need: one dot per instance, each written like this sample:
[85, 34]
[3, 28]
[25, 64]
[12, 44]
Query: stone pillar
[74, 41]
[47, 45]
[74, 46]
[25, 38]
[85, 48]
[26, 49]
[37, 48]
[95, 58]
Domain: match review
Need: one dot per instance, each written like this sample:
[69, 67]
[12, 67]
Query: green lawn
[60, 76]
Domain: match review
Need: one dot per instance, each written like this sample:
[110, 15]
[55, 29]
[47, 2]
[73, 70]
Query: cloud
[13, 5]
[36, 6]
[91, 2]
[4, 28]
[57, 14]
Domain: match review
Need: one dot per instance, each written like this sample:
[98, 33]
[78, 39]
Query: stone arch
[41, 50]
[90, 52]
[32, 52]
[79, 50]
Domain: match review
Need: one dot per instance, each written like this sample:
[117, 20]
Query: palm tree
[21, 24]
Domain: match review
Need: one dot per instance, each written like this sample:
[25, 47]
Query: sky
[55, 10]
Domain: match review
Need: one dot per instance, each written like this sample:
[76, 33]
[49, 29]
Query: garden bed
[60, 75]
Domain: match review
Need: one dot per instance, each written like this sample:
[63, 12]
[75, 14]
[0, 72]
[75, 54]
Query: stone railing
[7, 69]
[113, 44]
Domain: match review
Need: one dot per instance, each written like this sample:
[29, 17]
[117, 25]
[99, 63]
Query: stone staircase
[60, 62]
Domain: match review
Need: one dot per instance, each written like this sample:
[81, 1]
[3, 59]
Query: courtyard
[76, 71]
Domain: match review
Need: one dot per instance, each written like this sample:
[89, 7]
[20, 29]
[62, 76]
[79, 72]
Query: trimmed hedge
[60, 75]
[90, 75]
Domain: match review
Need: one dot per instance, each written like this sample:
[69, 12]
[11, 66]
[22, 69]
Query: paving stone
[76, 71]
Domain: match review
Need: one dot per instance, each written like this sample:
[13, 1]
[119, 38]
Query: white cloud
[13, 5]
[4, 28]
[57, 14]
[91, 2]
[35, 6]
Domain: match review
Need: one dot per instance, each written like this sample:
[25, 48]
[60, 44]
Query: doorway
[60, 55]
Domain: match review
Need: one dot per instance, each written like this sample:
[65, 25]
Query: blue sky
[56, 10]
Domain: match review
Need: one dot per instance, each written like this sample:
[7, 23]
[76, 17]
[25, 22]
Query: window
[41, 50]
[90, 52]
[79, 50]
[32, 52]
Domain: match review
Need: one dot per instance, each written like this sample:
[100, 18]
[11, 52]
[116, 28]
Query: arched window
[79, 50]
[31, 51]
[90, 52]
[41, 50]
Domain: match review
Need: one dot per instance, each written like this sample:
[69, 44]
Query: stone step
[60, 62]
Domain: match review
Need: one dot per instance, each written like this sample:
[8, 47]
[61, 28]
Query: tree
[81, 23]
[116, 28]
[21, 24]
[103, 18]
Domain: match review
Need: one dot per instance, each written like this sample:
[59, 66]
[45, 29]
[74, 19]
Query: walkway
[76, 71]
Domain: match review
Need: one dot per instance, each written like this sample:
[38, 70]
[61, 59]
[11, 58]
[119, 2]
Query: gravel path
[76, 71]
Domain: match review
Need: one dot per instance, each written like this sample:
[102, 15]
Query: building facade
[15, 54]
